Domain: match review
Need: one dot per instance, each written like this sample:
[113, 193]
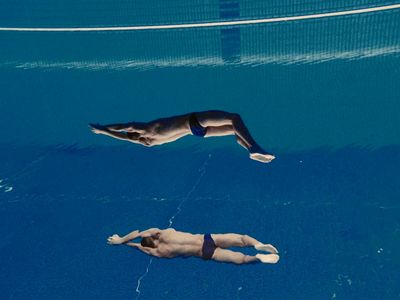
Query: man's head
[133, 135]
[148, 242]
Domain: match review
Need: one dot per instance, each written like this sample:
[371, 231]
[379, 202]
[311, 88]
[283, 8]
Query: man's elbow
[156, 253]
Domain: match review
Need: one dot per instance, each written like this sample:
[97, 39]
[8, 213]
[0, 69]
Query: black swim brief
[196, 127]
[208, 247]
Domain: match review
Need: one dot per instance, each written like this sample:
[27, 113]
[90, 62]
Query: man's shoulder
[167, 231]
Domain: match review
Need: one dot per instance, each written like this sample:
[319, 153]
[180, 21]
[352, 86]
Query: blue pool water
[321, 94]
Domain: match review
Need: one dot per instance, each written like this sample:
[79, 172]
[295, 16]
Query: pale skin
[166, 130]
[169, 243]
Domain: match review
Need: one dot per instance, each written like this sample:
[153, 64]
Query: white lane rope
[202, 171]
[209, 24]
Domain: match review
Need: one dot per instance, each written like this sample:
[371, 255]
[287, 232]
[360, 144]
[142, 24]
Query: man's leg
[229, 256]
[222, 120]
[228, 240]
[225, 130]
[216, 118]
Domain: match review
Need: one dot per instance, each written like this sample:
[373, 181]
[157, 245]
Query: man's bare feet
[268, 258]
[266, 248]
[115, 239]
[257, 153]
[264, 158]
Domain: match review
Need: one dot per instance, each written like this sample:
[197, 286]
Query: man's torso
[158, 131]
[174, 243]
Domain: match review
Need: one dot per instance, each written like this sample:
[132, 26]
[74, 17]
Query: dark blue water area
[332, 213]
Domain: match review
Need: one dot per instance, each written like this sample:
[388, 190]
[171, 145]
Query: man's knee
[244, 239]
[234, 117]
[247, 259]
[239, 258]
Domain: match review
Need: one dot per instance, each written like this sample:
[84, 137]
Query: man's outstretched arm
[117, 240]
[125, 136]
[149, 251]
[99, 129]
[150, 232]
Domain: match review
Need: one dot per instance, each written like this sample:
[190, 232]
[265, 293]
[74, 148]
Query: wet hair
[147, 242]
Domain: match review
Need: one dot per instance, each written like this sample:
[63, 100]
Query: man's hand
[96, 131]
[97, 128]
[115, 239]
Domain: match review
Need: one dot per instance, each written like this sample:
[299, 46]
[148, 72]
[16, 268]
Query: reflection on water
[299, 42]
[232, 58]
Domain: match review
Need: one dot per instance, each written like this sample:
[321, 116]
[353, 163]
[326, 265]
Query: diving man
[169, 243]
[202, 124]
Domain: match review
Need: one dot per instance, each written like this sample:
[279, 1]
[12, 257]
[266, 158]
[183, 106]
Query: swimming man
[170, 243]
[202, 124]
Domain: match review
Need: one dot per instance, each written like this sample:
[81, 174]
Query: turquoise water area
[321, 94]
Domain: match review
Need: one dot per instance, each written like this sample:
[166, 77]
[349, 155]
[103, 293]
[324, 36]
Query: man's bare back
[169, 243]
[174, 243]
